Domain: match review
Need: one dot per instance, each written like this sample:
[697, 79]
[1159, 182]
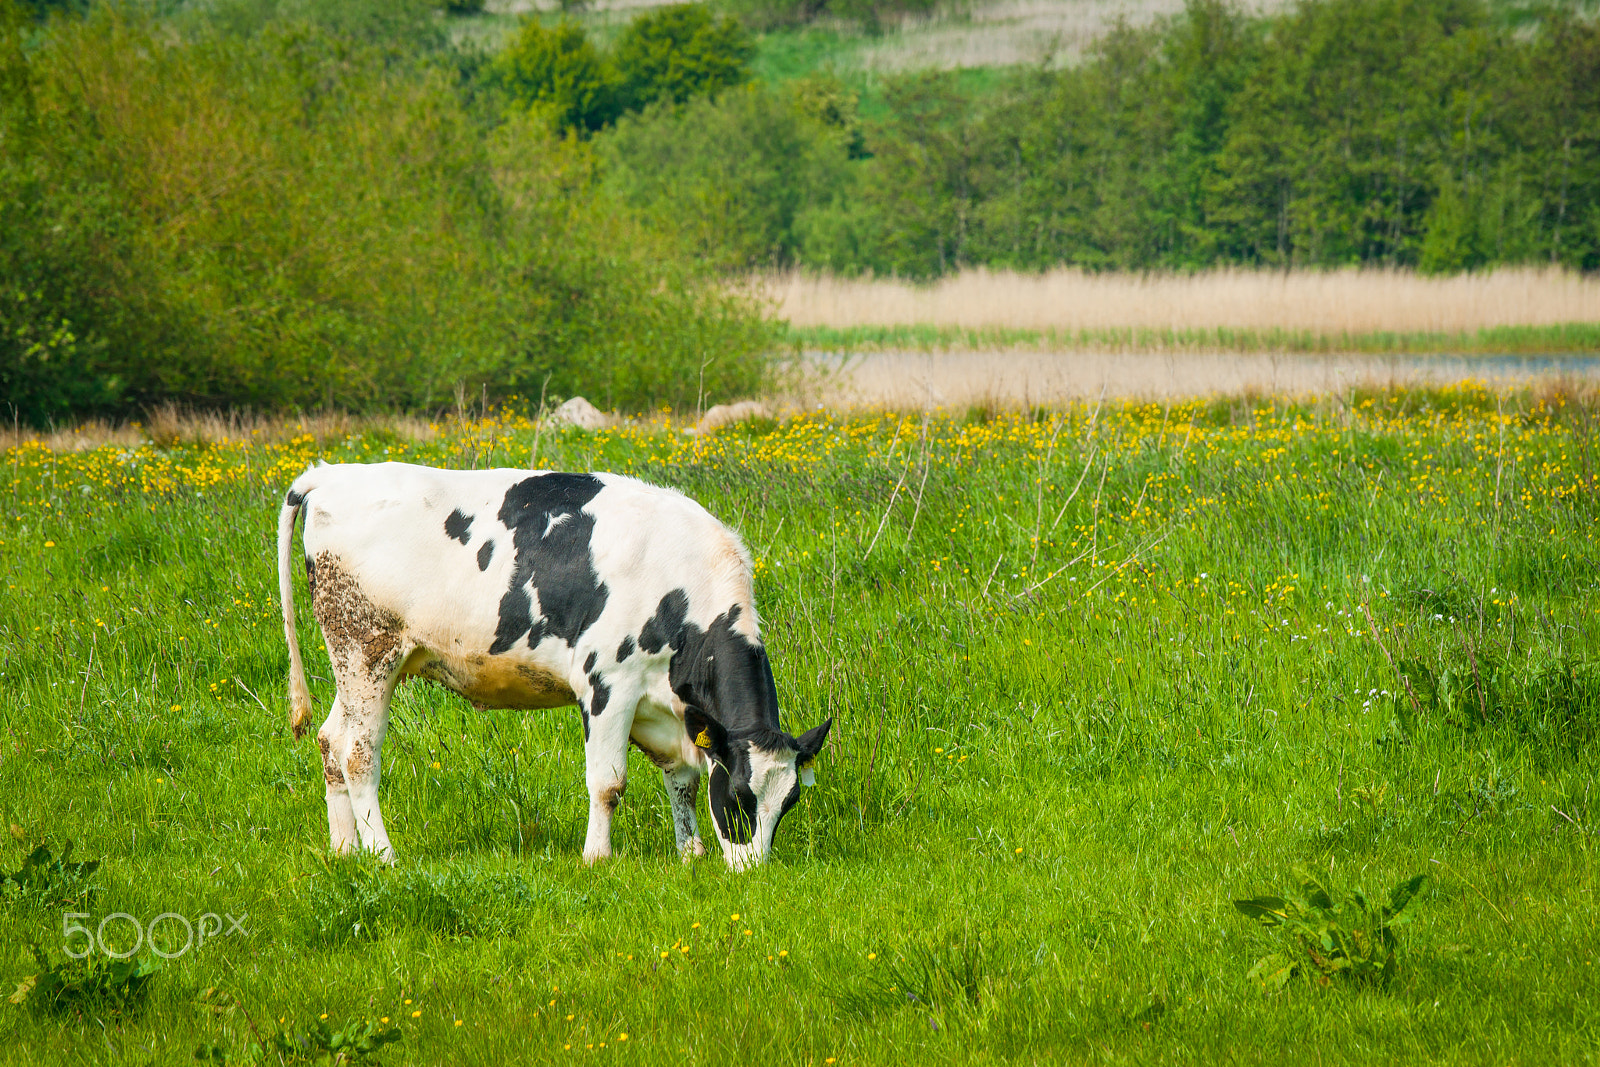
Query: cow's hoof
[592, 858]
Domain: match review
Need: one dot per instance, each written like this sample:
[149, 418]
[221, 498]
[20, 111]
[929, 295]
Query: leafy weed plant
[48, 881]
[95, 984]
[354, 1043]
[1351, 941]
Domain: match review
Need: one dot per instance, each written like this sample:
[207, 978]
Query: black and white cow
[522, 589]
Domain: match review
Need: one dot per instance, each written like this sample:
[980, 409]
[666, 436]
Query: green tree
[1555, 125]
[734, 177]
[678, 52]
[1334, 153]
[291, 219]
[926, 176]
[557, 69]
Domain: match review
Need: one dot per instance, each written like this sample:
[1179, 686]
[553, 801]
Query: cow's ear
[811, 741]
[703, 730]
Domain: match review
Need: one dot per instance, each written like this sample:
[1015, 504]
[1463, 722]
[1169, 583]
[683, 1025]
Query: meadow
[1097, 671]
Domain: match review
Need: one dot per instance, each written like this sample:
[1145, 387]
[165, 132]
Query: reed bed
[956, 380]
[1333, 302]
[1004, 34]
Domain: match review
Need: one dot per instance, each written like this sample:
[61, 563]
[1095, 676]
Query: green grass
[789, 54]
[1096, 673]
[1576, 337]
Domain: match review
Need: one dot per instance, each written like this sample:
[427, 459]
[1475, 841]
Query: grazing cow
[522, 589]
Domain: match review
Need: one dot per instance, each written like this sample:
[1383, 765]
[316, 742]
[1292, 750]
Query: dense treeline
[1422, 133]
[303, 204]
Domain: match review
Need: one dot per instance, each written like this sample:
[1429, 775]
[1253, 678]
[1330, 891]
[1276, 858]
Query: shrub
[291, 218]
[678, 52]
[92, 984]
[558, 69]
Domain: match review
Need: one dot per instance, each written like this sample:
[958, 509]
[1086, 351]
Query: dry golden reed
[956, 379]
[1331, 302]
[170, 424]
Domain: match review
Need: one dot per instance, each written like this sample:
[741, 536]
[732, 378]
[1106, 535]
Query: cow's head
[755, 779]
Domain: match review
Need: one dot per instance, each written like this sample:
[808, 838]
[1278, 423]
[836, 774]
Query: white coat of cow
[537, 589]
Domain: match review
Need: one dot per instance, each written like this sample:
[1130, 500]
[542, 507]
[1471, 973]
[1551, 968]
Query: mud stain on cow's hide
[359, 762]
[610, 798]
[331, 771]
[492, 681]
[351, 622]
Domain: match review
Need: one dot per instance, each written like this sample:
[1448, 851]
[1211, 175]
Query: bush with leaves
[737, 178]
[558, 69]
[49, 881]
[679, 52]
[292, 218]
[356, 1042]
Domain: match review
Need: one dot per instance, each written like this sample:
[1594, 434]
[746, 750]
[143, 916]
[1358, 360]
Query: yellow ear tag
[704, 740]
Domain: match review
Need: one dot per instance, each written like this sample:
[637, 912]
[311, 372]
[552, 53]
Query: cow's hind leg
[607, 722]
[352, 747]
[683, 788]
[341, 818]
[366, 648]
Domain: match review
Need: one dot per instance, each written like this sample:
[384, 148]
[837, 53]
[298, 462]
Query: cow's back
[499, 583]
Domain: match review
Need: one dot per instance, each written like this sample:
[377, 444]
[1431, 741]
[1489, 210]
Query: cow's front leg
[683, 789]
[605, 752]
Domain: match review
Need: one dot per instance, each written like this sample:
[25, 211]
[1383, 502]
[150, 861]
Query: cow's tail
[299, 693]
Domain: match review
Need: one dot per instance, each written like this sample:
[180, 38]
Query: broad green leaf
[1273, 972]
[1271, 911]
[1401, 899]
[1311, 886]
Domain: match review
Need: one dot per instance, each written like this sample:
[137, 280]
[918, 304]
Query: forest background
[365, 205]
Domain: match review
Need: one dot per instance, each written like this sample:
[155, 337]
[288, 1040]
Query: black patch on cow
[727, 679]
[585, 713]
[292, 499]
[600, 693]
[589, 662]
[625, 649]
[311, 577]
[458, 526]
[550, 538]
[665, 627]
[485, 554]
[726, 675]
